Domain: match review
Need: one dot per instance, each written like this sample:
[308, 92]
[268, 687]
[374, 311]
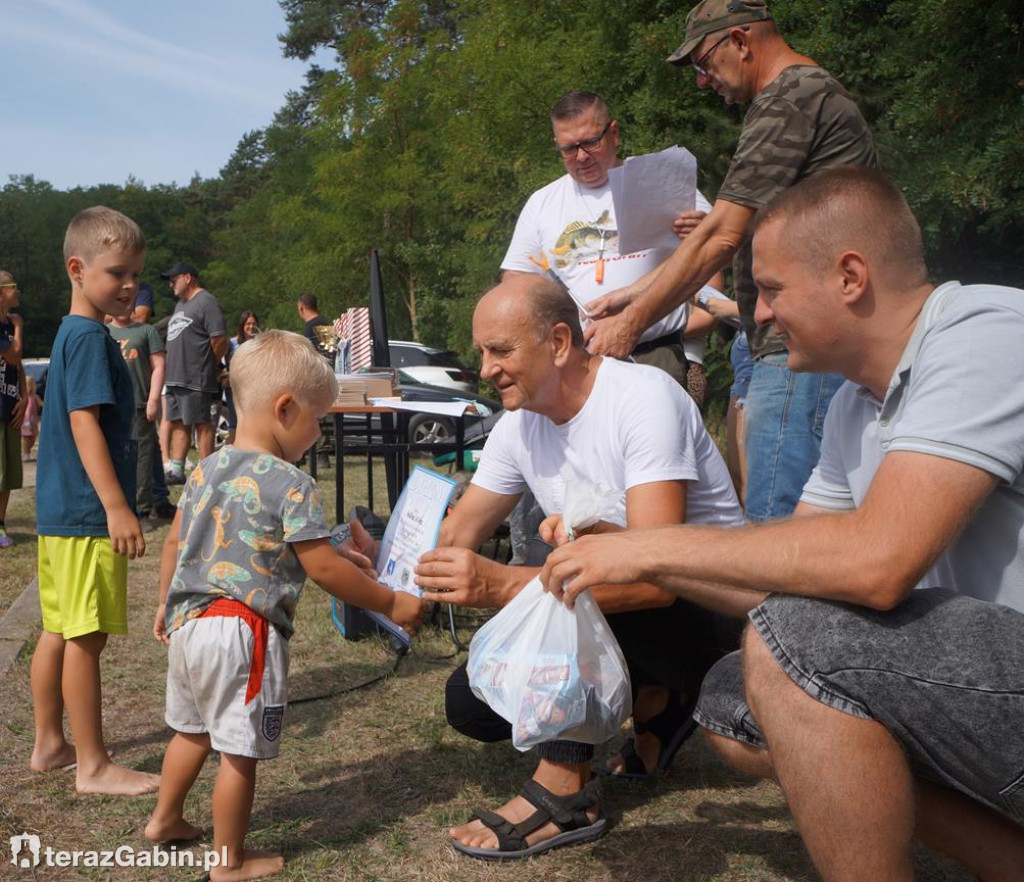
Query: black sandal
[568, 813]
[671, 727]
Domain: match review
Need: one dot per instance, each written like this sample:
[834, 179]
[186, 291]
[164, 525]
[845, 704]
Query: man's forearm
[827, 556]
[682, 275]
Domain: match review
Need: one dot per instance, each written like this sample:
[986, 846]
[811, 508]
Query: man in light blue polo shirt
[882, 680]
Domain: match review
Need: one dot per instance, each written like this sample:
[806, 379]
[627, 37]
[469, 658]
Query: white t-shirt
[637, 426]
[570, 225]
[957, 393]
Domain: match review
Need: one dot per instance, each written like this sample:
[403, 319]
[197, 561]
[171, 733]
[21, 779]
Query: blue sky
[93, 91]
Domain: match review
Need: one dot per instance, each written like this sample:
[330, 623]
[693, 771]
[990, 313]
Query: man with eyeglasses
[800, 121]
[12, 397]
[567, 230]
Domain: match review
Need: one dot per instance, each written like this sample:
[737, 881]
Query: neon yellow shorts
[83, 586]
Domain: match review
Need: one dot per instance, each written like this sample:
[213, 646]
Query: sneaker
[148, 524]
[5, 540]
[175, 477]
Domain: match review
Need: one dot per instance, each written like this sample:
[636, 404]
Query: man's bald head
[535, 301]
[854, 208]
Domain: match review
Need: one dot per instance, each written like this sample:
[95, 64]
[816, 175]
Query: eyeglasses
[9, 285]
[701, 64]
[589, 145]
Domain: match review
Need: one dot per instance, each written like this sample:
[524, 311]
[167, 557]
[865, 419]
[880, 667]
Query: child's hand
[407, 611]
[160, 626]
[126, 533]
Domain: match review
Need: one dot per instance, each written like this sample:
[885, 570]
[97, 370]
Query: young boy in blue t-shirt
[85, 483]
[249, 530]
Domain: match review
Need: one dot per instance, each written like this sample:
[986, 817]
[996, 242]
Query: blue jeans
[785, 414]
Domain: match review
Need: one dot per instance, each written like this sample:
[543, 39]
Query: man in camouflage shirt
[800, 121]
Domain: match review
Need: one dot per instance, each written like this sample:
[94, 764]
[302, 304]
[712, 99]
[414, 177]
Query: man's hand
[152, 409]
[687, 222]
[593, 560]
[612, 303]
[615, 336]
[160, 626]
[360, 549]
[407, 611]
[459, 576]
[126, 533]
[552, 530]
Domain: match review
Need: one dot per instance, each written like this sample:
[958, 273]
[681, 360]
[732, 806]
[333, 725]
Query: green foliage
[429, 131]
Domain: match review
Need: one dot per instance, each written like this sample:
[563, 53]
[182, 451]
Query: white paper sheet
[656, 189]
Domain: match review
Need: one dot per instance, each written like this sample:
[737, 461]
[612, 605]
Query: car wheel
[425, 428]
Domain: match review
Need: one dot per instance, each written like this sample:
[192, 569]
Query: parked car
[428, 428]
[435, 367]
[37, 368]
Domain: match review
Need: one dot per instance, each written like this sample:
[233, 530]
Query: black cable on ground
[400, 653]
[354, 687]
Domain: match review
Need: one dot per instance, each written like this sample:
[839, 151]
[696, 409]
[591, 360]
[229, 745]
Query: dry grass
[368, 781]
[18, 563]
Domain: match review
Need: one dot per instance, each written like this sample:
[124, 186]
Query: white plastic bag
[553, 672]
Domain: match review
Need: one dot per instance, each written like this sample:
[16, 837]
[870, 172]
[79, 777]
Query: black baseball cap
[180, 269]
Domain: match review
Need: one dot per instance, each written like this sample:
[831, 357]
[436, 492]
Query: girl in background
[248, 327]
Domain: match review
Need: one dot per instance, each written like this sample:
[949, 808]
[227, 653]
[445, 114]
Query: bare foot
[117, 780]
[178, 830]
[63, 757]
[255, 865]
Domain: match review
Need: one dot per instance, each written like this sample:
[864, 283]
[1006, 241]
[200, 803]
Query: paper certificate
[656, 189]
[412, 530]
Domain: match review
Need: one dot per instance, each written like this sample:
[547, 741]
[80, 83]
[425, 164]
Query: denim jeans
[160, 495]
[785, 414]
[944, 673]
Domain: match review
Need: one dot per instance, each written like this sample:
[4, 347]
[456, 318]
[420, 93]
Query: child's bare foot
[116, 780]
[255, 865]
[178, 830]
[60, 757]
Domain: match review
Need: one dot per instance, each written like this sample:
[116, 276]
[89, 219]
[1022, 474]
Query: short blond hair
[275, 362]
[98, 228]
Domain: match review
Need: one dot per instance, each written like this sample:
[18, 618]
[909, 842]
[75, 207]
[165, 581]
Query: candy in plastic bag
[552, 672]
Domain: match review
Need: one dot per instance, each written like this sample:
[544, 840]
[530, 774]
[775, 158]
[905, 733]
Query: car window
[402, 356]
[445, 359]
